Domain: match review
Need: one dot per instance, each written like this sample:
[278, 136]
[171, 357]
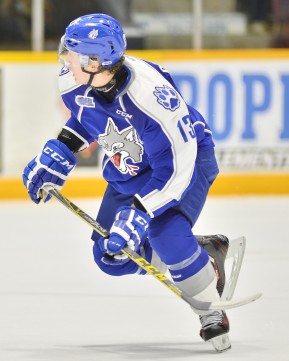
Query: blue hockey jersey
[150, 136]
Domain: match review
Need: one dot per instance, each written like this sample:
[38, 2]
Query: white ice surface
[56, 305]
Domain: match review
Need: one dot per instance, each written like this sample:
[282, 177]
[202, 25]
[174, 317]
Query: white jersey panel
[142, 92]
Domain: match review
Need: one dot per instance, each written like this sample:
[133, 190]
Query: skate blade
[233, 265]
[221, 343]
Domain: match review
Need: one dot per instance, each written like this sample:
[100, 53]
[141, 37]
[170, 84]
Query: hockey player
[159, 160]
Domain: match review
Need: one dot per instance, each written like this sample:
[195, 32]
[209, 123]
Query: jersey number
[186, 128]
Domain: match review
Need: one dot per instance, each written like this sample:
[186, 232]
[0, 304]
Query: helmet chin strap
[92, 74]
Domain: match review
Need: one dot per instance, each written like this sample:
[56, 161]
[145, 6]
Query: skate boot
[215, 326]
[217, 247]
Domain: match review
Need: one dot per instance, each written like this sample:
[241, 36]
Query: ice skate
[217, 247]
[215, 326]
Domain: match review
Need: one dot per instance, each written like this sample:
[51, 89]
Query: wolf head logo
[167, 97]
[120, 146]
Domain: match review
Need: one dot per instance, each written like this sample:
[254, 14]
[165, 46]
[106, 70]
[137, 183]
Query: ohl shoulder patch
[83, 101]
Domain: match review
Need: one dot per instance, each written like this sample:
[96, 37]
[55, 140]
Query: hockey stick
[198, 306]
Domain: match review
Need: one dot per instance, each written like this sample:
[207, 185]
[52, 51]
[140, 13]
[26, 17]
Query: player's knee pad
[171, 237]
[191, 266]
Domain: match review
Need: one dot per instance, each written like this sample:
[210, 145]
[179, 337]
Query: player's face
[73, 62]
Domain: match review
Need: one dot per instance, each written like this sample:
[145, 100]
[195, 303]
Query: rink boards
[243, 94]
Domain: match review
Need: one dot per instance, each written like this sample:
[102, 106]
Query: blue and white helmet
[97, 36]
